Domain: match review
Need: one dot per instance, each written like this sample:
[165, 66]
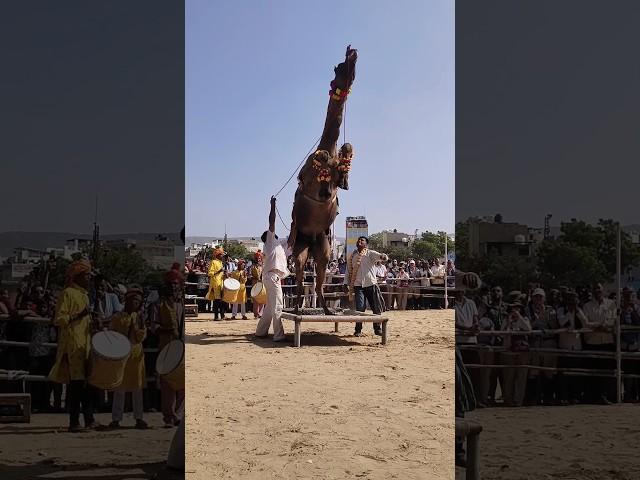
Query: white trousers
[118, 405]
[273, 308]
[243, 308]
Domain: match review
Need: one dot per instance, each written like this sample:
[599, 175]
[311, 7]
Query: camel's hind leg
[321, 252]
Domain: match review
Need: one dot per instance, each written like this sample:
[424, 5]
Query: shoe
[114, 425]
[280, 340]
[244, 317]
[75, 428]
[358, 334]
[141, 425]
[260, 336]
[94, 426]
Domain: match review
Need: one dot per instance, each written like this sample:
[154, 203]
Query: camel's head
[346, 71]
[321, 181]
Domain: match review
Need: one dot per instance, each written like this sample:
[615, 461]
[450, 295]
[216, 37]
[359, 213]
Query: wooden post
[384, 332]
[296, 336]
[336, 327]
[473, 457]
[446, 280]
[619, 301]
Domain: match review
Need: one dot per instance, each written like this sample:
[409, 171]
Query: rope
[283, 224]
[298, 167]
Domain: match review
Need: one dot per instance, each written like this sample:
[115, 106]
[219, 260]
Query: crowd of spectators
[403, 283]
[545, 334]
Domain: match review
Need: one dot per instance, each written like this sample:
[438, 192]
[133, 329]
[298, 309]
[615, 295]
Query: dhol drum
[259, 293]
[170, 364]
[231, 289]
[109, 354]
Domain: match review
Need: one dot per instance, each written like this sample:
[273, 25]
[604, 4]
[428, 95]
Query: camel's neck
[331, 132]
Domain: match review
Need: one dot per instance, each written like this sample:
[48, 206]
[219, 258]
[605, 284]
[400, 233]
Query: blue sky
[257, 82]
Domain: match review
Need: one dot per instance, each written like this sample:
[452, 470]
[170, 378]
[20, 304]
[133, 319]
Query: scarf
[354, 273]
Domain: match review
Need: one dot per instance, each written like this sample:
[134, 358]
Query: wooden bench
[471, 431]
[348, 316]
[20, 400]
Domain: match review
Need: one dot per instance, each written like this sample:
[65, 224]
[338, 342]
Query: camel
[316, 199]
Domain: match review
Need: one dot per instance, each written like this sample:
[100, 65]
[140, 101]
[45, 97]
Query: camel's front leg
[321, 254]
[300, 254]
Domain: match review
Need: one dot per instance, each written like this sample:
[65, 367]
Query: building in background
[394, 238]
[500, 238]
[356, 227]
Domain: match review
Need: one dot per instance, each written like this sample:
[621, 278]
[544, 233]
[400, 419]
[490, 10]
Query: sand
[44, 449]
[586, 442]
[339, 407]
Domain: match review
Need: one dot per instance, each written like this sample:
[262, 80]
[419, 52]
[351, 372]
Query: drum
[259, 293]
[109, 354]
[231, 289]
[170, 364]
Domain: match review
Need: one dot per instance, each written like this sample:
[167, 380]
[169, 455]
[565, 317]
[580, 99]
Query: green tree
[236, 249]
[124, 265]
[564, 263]
[375, 242]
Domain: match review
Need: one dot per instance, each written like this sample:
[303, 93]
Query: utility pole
[96, 236]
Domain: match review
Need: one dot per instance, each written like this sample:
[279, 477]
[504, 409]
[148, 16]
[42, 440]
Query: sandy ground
[339, 407]
[44, 449]
[585, 442]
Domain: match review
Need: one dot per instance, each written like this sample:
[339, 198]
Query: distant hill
[42, 240]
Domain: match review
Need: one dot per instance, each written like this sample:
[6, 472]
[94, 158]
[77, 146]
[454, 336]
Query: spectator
[571, 317]
[541, 387]
[600, 316]
[630, 342]
[402, 288]
[515, 379]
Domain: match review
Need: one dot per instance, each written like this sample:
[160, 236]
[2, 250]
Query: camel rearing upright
[316, 200]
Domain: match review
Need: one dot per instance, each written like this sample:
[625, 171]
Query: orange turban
[134, 291]
[174, 274]
[76, 268]
[217, 252]
[258, 255]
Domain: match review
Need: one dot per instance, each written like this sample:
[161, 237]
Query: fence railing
[618, 354]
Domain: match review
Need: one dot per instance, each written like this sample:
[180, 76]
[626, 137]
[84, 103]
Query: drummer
[73, 321]
[130, 324]
[256, 275]
[216, 279]
[240, 304]
[170, 315]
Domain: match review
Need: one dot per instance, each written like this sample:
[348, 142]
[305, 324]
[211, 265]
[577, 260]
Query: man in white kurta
[274, 271]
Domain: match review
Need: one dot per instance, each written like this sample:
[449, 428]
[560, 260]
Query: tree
[375, 242]
[564, 263]
[236, 249]
[124, 265]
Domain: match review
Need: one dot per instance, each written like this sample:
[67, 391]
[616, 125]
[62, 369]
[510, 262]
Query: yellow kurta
[134, 373]
[241, 276]
[216, 279]
[256, 273]
[74, 342]
[168, 320]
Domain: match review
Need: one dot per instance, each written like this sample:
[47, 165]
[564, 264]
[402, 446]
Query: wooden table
[348, 316]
